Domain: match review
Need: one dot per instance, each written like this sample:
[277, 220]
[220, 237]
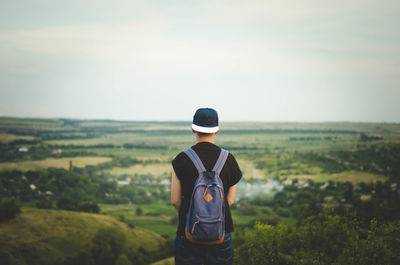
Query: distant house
[365, 197]
[324, 186]
[56, 151]
[23, 149]
[287, 182]
[302, 184]
[127, 181]
[165, 182]
[123, 182]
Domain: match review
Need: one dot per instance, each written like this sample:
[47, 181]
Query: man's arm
[176, 193]
[230, 197]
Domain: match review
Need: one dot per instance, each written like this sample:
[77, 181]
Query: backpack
[205, 218]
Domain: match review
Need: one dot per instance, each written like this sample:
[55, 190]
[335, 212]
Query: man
[205, 127]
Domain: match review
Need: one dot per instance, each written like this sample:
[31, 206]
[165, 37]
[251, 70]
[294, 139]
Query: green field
[249, 170]
[123, 166]
[350, 176]
[54, 162]
[155, 217]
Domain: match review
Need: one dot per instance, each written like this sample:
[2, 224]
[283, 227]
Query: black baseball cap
[205, 120]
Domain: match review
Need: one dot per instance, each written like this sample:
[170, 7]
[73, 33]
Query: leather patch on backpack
[208, 197]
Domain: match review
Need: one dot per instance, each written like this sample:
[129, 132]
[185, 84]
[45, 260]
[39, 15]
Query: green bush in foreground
[323, 239]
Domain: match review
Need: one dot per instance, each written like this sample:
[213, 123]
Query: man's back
[187, 174]
[184, 175]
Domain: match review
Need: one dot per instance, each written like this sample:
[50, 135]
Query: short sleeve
[180, 165]
[236, 173]
[177, 164]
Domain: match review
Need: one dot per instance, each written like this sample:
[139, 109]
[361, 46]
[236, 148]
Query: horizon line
[189, 121]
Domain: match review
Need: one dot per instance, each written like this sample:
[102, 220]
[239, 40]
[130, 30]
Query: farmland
[122, 170]
[53, 162]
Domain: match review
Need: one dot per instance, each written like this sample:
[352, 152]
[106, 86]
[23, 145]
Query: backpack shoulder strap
[221, 161]
[195, 159]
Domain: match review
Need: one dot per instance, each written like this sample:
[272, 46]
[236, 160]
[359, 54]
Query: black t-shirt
[187, 174]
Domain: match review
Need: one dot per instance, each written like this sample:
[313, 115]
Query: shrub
[65, 203]
[323, 239]
[123, 260]
[245, 208]
[284, 212]
[8, 210]
[268, 219]
[139, 211]
[5, 257]
[89, 207]
[121, 217]
[44, 204]
[109, 243]
[174, 220]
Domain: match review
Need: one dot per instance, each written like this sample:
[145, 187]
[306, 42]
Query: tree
[139, 211]
[66, 203]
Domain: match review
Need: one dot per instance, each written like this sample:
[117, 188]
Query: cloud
[271, 37]
[149, 49]
[297, 53]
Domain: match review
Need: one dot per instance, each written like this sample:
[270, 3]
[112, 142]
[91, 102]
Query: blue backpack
[205, 219]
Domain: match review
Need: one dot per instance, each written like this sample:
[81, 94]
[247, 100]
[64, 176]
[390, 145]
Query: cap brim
[202, 129]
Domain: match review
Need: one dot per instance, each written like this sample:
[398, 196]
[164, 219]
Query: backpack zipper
[207, 222]
[195, 223]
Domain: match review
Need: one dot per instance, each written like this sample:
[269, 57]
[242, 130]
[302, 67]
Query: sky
[300, 60]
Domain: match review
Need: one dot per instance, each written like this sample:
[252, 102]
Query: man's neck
[208, 139]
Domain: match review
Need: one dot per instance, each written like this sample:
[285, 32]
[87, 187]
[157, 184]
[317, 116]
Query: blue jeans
[188, 253]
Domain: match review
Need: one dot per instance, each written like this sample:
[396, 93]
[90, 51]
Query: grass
[249, 171]
[156, 217]
[161, 227]
[155, 169]
[289, 221]
[61, 233]
[354, 177]
[167, 261]
[141, 154]
[242, 219]
[30, 123]
[128, 138]
[7, 137]
[52, 235]
[53, 162]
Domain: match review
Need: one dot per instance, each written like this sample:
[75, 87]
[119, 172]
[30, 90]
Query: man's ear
[216, 132]
[193, 131]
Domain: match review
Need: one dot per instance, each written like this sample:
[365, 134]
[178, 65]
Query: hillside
[51, 236]
[291, 172]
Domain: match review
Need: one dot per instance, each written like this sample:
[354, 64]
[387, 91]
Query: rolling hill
[53, 236]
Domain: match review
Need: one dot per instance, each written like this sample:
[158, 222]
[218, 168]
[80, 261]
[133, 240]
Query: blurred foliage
[327, 238]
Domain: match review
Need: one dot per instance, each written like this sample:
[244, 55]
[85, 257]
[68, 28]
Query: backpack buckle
[209, 174]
